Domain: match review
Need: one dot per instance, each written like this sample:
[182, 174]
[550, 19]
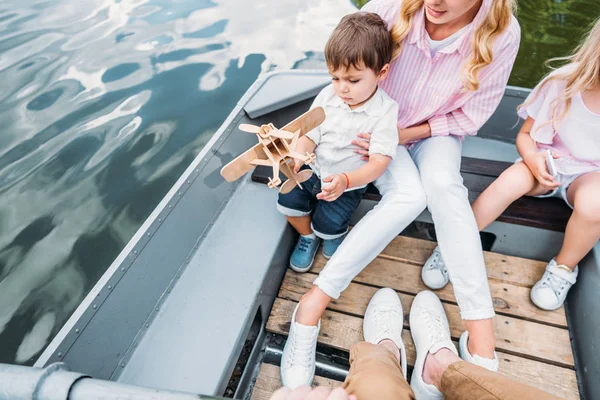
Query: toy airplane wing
[241, 165]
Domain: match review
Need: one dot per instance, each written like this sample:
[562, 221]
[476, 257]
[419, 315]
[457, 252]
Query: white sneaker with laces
[434, 272]
[487, 363]
[550, 292]
[384, 319]
[298, 359]
[431, 332]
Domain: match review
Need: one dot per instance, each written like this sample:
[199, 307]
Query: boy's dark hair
[360, 39]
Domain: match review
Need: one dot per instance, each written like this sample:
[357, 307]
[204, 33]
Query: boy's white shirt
[335, 151]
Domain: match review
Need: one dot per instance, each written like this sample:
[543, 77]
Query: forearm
[369, 172]
[414, 133]
[305, 145]
[525, 144]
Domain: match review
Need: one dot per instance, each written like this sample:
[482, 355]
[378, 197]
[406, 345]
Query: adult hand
[414, 133]
[536, 163]
[363, 143]
[337, 184]
[308, 393]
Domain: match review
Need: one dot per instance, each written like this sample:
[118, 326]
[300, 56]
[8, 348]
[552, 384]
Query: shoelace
[435, 325]
[304, 244]
[383, 316]
[555, 282]
[302, 351]
[438, 263]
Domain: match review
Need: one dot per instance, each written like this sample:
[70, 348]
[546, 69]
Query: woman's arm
[368, 173]
[470, 117]
[414, 133]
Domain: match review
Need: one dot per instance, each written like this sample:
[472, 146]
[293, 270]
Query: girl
[562, 116]
[453, 62]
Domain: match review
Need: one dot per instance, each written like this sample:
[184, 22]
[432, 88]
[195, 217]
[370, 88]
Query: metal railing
[58, 382]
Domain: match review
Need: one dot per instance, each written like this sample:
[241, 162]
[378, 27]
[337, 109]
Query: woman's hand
[308, 393]
[363, 143]
[331, 192]
[414, 133]
[536, 162]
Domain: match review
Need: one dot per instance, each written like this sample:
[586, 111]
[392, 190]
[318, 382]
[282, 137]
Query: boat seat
[478, 174]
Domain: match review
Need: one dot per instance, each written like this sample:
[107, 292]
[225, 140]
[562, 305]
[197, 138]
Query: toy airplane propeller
[276, 148]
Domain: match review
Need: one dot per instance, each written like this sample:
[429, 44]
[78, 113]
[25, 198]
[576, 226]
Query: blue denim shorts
[330, 219]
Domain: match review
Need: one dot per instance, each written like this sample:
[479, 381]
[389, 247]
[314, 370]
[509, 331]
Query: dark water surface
[104, 103]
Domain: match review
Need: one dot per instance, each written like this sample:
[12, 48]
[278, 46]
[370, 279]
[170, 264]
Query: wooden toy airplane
[276, 148]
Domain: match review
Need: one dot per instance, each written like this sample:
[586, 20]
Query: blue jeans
[330, 219]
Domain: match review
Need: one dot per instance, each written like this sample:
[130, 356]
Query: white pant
[435, 182]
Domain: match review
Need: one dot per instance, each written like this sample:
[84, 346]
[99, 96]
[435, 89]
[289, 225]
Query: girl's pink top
[430, 89]
[576, 137]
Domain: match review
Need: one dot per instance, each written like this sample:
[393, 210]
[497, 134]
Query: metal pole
[57, 382]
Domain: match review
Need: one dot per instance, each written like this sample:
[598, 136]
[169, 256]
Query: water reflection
[103, 106]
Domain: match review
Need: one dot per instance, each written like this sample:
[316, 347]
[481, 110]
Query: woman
[449, 76]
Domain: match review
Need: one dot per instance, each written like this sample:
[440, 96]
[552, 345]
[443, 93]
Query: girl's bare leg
[514, 183]
[583, 228]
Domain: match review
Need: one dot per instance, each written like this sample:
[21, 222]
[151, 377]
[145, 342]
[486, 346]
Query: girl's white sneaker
[298, 359]
[434, 273]
[550, 292]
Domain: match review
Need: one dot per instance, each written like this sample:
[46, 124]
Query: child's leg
[583, 228]
[301, 224]
[511, 185]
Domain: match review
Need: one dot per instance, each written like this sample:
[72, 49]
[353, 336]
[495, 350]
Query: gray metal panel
[104, 330]
[196, 334]
[504, 124]
[284, 89]
[583, 314]
[104, 325]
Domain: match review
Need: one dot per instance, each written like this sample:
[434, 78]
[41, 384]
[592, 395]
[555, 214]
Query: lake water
[104, 103]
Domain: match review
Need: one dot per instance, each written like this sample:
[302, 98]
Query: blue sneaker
[304, 254]
[330, 246]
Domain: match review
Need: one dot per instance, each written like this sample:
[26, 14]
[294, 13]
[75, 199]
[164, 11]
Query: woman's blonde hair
[495, 23]
[580, 72]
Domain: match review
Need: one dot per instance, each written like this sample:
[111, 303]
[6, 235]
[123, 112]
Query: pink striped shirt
[431, 89]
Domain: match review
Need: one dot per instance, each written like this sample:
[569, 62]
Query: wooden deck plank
[530, 339]
[341, 331]
[508, 299]
[510, 269]
[269, 380]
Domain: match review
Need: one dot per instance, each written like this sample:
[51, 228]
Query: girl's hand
[536, 163]
[331, 192]
[363, 143]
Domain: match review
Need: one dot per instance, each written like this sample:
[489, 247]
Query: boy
[358, 55]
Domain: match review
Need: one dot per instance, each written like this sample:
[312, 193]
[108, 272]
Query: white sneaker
[298, 359]
[384, 319]
[431, 332]
[434, 272]
[487, 363]
[549, 293]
